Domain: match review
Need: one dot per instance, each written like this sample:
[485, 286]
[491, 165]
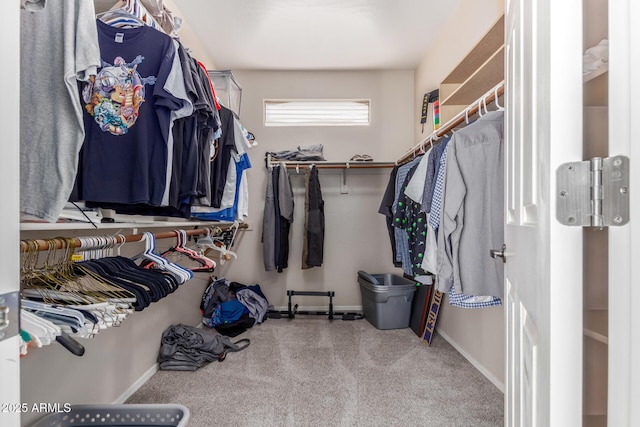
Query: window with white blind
[324, 112]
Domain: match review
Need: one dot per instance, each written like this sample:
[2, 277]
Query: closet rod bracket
[9, 314]
[593, 193]
[344, 188]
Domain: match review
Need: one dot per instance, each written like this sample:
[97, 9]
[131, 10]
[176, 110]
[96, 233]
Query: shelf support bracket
[344, 188]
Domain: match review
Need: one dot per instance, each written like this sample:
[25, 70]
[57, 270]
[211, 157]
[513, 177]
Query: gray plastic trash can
[386, 299]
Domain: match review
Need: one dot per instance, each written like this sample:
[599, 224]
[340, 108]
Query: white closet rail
[458, 119]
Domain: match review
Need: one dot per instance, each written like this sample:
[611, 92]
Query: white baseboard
[484, 371]
[136, 385]
[349, 308]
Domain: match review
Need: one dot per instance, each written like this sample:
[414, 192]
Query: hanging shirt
[269, 226]
[413, 221]
[386, 209]
[286, 205]
[176, 141]
[470, 301]
[234, 203]
[432, 170]
[128, 112]
[400, 234]
[438, 192]
[415, 187]
[220, 164]
[58, 48]
[242, 138]
[313, 246]
[472, 212]
[231, 213]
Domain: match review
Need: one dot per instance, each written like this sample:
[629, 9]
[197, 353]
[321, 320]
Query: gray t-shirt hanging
[58, 48]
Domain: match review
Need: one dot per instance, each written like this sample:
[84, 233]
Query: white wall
[189, 39]
[477, 333]
[356, 236]
[9, 276]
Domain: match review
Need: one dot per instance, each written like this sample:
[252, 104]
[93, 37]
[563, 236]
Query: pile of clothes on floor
[188, 348]
[231, 307]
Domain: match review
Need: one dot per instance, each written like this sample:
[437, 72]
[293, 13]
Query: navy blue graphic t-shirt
[127, 117]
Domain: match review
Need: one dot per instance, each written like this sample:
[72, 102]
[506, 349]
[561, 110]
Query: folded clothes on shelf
[311, 153]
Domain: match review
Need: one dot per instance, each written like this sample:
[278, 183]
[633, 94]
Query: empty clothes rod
[61, 242]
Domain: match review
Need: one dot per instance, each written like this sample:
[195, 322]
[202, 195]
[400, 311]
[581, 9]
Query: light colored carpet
[310, 371]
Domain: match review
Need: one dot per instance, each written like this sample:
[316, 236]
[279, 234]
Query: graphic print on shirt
[114, 96]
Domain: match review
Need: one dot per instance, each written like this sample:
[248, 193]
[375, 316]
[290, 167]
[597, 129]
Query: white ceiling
[316, 34]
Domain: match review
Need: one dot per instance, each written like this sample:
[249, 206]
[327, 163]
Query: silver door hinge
[593, 193]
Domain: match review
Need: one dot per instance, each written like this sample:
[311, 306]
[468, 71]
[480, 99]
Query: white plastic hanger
[217, 245]
[35, 306]
[120, 18]
[181, 274]
[43, 329]
[495, 100]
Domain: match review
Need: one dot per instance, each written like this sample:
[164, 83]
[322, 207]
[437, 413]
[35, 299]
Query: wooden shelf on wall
[489, 74]
[596, 325]
[481, 69]
[596, 85]
[485, 48]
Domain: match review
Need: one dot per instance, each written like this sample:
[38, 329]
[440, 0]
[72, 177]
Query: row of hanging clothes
[141, 112]
[278, 217]
[444, 211]
[76, 290]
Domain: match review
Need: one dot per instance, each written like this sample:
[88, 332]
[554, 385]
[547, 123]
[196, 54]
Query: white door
[543, 270]
[9, 219]
[624, 242]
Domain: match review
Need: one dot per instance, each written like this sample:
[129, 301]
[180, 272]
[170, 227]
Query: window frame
[266, 101]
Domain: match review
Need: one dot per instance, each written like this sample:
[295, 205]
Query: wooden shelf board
[489, 74]
[596, 325]
[596, 73]
[446, 89]
[447, 112]
[596, 88]
[489, 43]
